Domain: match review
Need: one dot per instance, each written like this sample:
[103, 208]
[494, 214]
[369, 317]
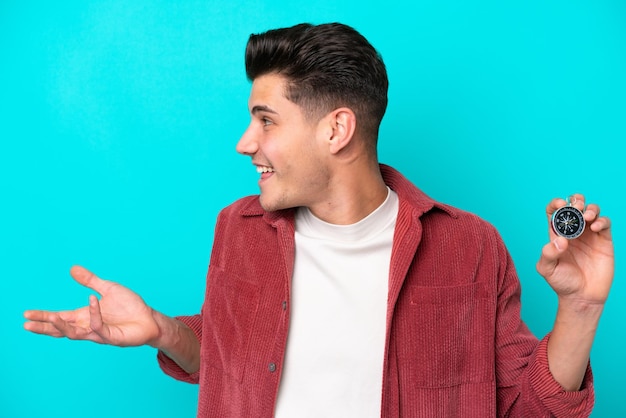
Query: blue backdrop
[119, 119]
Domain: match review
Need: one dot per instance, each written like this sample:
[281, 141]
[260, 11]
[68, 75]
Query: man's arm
[580, 271]
[177, 341]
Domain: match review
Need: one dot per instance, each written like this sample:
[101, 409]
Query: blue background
[118, 122]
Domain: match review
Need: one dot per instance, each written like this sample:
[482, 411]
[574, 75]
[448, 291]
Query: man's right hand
[120, 317]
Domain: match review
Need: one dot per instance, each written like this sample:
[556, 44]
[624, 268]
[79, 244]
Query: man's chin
[272, 205]
[267, 204]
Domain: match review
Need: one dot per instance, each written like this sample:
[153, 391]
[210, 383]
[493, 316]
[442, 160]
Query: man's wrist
[177, 341]
[167, 327]
[579, 309]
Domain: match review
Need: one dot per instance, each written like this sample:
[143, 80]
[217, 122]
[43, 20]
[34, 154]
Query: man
[342, 290]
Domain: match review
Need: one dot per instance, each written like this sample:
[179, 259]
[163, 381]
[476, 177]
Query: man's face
[287, 149]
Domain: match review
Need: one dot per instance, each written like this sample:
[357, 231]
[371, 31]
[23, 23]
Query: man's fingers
[554, 205]
[36, 315]
[602, 224]
[50, 323]
[576, 200]
[592, 212]
[550, 256]
[95, 316]
[42, 322]
[89, 279]
[596, 222]
[74, 331]
[48, 316]
[44, 328]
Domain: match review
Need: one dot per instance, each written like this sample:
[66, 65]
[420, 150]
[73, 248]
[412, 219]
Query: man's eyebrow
[262, 108]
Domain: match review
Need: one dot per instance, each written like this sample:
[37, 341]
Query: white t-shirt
[335, 349]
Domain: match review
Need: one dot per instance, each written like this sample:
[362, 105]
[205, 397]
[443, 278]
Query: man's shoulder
[461, 219]
[428, 208]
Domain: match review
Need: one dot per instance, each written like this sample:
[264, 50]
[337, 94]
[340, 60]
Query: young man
[342, 290]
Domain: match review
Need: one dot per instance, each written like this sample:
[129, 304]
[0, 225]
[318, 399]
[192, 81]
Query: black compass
[568, 222]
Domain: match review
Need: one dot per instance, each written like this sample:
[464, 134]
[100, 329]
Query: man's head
[326, 67]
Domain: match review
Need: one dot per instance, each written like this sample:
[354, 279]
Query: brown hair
[326, 66]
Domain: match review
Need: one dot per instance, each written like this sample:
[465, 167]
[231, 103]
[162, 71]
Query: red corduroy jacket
[455, 346]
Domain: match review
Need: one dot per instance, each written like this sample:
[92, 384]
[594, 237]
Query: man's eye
[266, 122]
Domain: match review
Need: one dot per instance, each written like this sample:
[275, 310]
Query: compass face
[568, 222]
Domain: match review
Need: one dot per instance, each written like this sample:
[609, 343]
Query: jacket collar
[409, 193]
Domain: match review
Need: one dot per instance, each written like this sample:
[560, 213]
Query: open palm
[120, 317]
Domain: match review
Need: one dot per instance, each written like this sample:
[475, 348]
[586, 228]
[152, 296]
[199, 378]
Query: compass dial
[568, 222]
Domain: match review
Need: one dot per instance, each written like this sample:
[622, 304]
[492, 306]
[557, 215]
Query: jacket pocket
[446, 336]
[230, 310]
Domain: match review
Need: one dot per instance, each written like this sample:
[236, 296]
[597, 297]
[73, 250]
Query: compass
[568, 222]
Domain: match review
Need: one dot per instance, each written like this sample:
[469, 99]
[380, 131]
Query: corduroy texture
[455, 344]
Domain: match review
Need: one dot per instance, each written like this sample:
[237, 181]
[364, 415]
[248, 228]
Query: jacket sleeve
[525, 386]
[169, 366]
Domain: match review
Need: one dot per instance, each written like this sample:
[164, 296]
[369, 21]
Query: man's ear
[343, 124]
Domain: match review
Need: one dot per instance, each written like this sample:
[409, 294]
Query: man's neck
[353, 196]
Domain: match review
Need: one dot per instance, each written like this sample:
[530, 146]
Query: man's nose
[247, 144]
